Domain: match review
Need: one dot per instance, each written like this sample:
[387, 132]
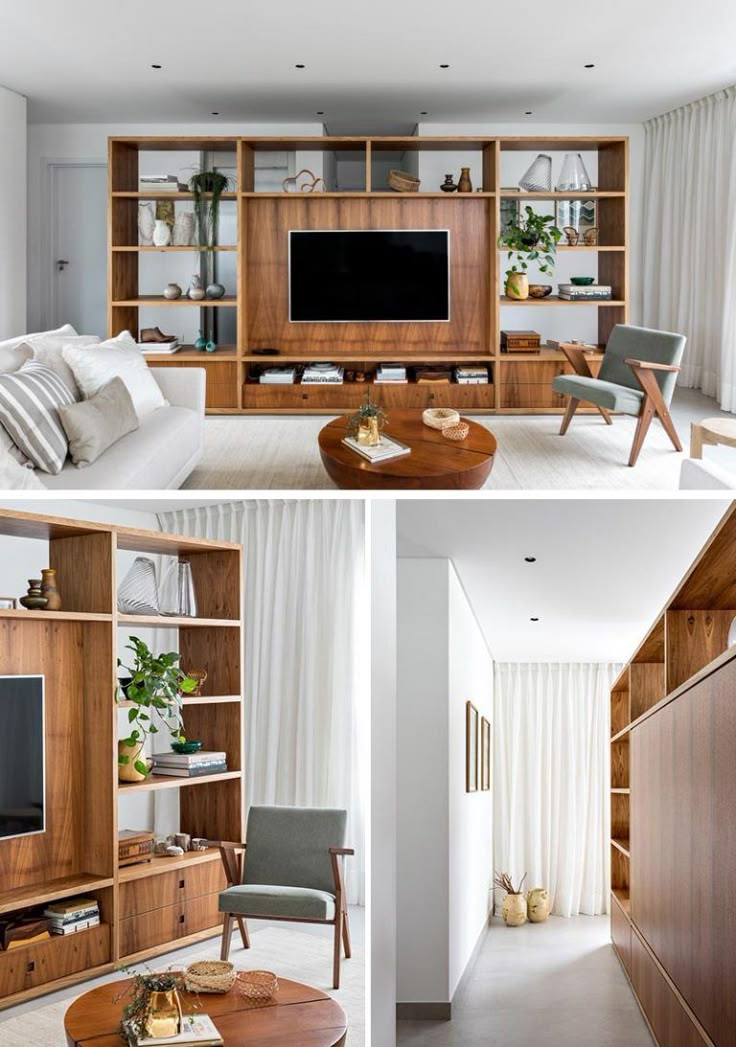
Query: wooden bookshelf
[154, 906]
[473, 219]
[673, 792]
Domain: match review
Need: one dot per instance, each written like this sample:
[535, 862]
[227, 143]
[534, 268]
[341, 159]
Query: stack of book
[72, 915]
[159, 348]
[584, 292]
[159, 184]
[433, 375]
[322, 374]
[393, 374]
[189, 765]
[197, 1030]
[387, 448]
[278, 376]
[471, 375]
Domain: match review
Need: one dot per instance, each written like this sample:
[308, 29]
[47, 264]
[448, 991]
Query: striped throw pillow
[29, 411]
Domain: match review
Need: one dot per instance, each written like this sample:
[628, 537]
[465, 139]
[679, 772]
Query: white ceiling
[86, 61]
[604, 569]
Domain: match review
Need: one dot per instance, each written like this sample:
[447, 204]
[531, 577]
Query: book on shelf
[390, 373]
[159, 348]
[278, 376]
[81, 914]
[589, 292]
[77, 925]
[433, 376]
[388, 448]
[198, 771]
[197, 1030]
[71, 907]
[471, 375]
[188, 759]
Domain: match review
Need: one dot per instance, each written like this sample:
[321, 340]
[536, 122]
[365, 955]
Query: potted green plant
[366, 424]
[155, 686]
[207, 188]
[531, 238]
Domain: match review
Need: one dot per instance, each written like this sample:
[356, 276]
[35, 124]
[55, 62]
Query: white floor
[301, 952]
[267, 452]
[556, 984]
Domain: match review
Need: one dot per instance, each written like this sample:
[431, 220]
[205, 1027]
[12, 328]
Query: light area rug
[281, 453]
[291, 954]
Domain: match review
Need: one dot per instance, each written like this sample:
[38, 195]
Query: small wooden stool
[711, 431]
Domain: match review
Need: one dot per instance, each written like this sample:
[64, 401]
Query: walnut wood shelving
[673, 735]
[152, 907]
[520, 384]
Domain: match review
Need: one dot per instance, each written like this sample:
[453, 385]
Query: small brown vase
[34, 600]
[448, 186]
[465, 185]
[49, 589]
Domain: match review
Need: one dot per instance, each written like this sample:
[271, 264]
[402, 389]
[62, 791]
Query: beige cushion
[116, 358]
[13, 358]
[96, 424]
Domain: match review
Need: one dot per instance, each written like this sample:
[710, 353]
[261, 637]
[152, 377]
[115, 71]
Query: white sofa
[696, 474]
[159, 455]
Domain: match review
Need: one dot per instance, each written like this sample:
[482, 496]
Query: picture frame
[8, 603]
[485, 755]
[471, 748]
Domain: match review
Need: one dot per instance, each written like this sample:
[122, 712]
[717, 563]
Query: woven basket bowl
[258, 985]
[456, 432]
[403, 182]
[210, 976]
[439, 417]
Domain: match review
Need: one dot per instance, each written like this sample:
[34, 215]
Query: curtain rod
[720, 95]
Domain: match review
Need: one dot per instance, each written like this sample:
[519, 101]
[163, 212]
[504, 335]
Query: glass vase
[538, 177]
[178, 598]
[573, 175]
[138, 592]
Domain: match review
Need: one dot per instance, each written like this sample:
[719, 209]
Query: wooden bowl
[539, 290]
[403, 182]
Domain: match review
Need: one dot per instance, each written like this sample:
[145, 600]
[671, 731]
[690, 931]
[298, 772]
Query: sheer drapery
[551, 780]
[305, 689]
[689, 238]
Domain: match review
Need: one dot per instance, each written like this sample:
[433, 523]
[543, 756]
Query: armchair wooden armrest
[342, 850]
[233, 857]
[335, 854]
[576, 356]
[649, 366]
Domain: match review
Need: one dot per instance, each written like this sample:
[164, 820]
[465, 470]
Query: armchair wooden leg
[654, 404]
[606, 415]
[227, 930]
[346, 935]
[571, 409]
[243, 927]
[336, 954]
[642, 428]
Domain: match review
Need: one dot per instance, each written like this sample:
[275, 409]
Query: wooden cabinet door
[621, 935]
[151, 929]
[668, 1018]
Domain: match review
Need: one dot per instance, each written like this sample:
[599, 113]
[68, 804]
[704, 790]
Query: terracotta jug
[49, 589]
[464, 184]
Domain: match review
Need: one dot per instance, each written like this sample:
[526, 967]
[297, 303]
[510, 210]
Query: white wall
[554, 322]
[445, 859]
[12, 213]
[382, 931]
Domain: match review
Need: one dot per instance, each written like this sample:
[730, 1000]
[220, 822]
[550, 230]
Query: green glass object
[201, 343]
[211, 347]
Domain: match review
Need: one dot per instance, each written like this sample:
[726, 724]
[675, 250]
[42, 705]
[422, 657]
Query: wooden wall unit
[519, 383]
[150, 907]
[673, 881]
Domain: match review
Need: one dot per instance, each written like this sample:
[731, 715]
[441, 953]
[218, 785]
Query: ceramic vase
[201, 344]
[34, 600]
[184, 229]
[449, 186]
[164, 1014]
[368, 432]
[215, 290]
[465, 185]
[49, 589]
[514, 910]
[127, 772]
[196, 292]
[172, 291]
[517, 286]
[146, 222]
[161, 233]
[537, 902]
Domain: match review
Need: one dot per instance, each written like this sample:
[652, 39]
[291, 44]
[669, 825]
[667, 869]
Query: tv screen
[22, 767]
[386, 275]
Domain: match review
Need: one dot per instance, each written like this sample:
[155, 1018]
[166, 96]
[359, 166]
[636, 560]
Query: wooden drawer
[295, 397]
[33, 965]
[517, 395]
[461, 397]
[161, 926]
[170, 888]
[621, 934]
[668, 1018]
[222, 381]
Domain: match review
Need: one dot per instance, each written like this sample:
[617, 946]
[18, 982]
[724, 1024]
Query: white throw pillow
[12, 360]
[13, 477]
[65, 331]
[48, 348]
[116, 358]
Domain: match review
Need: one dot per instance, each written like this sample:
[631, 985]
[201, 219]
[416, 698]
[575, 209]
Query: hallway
[540, 985]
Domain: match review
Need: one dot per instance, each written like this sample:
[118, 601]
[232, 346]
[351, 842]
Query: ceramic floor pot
[514, 910]
[537, 902]
[127, 771]
[517, 286]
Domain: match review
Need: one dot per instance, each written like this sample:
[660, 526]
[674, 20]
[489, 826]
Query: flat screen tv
[22, 767]
[374, 275]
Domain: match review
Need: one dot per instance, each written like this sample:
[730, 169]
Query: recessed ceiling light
[155, 66]
[299, 66]
[528, 112]
[590, 65]
[530, 559]
[423, 112]
[215, 113]
[444, 65]
[533, 619]
[320, 112]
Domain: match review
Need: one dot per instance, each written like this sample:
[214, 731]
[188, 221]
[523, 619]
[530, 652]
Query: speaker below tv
[369, 275]
[23, 766]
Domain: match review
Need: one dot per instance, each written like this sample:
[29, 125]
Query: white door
[79, 262]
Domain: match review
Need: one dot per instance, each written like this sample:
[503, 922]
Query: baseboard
[423, 1012]
[473, 957]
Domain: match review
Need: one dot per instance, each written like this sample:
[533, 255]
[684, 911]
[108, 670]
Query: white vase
[184, 229]
[146, 222]
[161, 233]
[172, 291]
[196, 291]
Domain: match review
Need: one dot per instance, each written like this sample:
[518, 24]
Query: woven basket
[258, 985]
[456, 432]
[440, 417]
[403, 182]
[209, 976]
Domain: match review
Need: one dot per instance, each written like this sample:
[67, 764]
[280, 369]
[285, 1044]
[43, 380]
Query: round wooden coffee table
[297, 1014]
[434, 463]
[711, 431]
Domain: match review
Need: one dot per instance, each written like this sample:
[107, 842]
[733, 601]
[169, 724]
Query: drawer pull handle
[181, 883]
[181, 918]
[30, 966]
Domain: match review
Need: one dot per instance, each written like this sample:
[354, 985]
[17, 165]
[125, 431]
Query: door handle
[60, 263]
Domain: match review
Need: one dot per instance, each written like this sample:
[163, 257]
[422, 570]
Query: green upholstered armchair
[637, 376]
[290, 868]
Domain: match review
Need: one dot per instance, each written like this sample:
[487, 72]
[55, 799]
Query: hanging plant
[531, 239]
[207, 188]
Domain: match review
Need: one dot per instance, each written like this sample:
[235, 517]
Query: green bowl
[186, 747]
[582, 281]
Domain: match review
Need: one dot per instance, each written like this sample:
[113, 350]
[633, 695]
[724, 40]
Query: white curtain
[551, 780]
[689, 238]
[305, 690]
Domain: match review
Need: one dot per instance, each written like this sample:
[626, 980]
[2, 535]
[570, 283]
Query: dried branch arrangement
[503, 883]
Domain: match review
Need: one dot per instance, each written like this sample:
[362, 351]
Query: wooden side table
[297, 1014]
[711, 431]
